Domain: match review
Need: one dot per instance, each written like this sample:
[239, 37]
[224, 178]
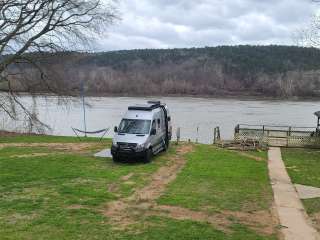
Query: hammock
[104, 131]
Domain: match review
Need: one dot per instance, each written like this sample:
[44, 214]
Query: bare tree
[29, 28]
[309, 36]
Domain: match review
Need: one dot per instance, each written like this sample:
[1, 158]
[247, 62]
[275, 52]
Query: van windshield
[134, 126]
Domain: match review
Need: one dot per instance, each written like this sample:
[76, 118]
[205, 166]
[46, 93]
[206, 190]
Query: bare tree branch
[41, 26]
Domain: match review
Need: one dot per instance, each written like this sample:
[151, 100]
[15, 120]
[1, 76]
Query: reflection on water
[187, 113]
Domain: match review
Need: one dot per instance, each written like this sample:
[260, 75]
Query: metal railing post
[178, 135]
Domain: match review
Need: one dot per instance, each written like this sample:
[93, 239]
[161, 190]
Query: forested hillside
[268, 71]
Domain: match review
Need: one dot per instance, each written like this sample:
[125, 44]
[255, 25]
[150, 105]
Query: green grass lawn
[36, 192]
[46, 139]
[303, 166]
[259, 153]
[47, 193]
[220, 180]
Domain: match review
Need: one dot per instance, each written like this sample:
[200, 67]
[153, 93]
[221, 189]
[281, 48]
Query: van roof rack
[154, 102]
[144, 107]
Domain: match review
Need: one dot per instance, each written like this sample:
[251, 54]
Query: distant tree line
[268, 71]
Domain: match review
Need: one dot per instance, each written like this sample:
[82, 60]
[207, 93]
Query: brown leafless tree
[309, 36]
[31, 27]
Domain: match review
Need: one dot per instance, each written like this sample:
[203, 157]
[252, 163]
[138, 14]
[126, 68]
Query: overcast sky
[199, 23]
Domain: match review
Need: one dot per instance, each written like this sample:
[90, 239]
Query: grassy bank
[303, 167]
[53, 188]
[46, 139]
[220, 180]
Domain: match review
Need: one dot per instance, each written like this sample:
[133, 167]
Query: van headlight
[114, 143]
[140, 147]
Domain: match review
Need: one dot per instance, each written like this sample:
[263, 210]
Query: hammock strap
[104, 131]
[91, 132]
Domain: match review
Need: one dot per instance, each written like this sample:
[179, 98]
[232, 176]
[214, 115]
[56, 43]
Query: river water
[187, 113]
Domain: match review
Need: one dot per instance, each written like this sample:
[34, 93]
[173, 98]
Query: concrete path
[307, 192]
[292, 216]
[105, 153]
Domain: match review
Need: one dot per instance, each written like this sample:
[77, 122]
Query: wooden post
[84, 110]
[197, 134]
[216, 135]
[288, 135]
[178, 135]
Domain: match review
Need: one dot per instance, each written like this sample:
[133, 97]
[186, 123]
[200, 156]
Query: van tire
[148, 156]
[115, 159]
[164, 147]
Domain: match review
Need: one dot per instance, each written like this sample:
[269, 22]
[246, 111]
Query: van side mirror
[115, 129]
[169, 119]
[153, 131]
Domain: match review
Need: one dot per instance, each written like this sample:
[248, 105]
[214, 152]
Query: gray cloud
[197, 23]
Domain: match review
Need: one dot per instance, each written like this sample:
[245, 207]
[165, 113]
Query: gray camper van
[144, 131]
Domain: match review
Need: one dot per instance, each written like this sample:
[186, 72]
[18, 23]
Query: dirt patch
[125, 212]
[129, 183]
[245, 154]
[119, 211]
[219, 221]
[115, 207]
[120, 214]
[127, 177]
[276, 221]
[183, 149]
[260, 221]
[315, 217]
[17, 217]
[68, 147]
[113, 187]
[30, 155]
[14, 134]
[160, 180]
[75, 207]
[162, 177]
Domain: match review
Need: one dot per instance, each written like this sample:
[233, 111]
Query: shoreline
[241, 97]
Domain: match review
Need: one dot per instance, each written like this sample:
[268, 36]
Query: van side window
[153, 124]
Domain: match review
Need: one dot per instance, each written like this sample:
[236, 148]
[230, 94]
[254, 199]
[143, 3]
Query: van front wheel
[165, 146]
[148, 156]
[115, 159]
